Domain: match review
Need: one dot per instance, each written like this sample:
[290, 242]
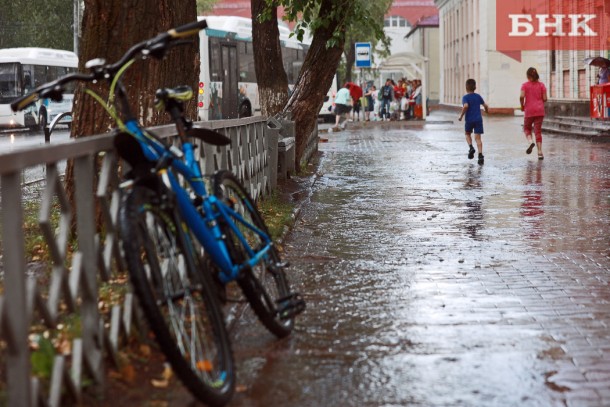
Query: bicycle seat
[182, 93]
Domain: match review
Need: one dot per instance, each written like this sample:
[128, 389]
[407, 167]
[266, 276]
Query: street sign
[363, 55]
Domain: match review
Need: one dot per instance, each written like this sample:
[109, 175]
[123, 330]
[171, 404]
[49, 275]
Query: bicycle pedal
[290, 306]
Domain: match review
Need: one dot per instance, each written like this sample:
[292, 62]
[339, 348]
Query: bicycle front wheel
[176, 295]
[265, 285]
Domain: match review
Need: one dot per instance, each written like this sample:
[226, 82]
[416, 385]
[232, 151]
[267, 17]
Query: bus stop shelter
[412, 65]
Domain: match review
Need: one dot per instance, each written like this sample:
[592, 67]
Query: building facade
[423, 39]
[468, 50]
[570, 78]
[402, 17]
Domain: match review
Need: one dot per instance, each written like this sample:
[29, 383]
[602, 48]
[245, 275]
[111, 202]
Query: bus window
[40, 75]
[290, 57]
[246, 63]
[10, 84]
[214, 61]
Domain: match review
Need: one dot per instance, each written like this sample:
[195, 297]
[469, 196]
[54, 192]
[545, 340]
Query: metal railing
[83, 258]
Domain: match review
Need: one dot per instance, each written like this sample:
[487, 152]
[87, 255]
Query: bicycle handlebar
[155, 47]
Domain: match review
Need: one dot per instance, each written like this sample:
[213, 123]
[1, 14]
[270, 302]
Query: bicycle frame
[204, 224]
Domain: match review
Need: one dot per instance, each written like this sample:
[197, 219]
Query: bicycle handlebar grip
[24, 101]
[188, 29]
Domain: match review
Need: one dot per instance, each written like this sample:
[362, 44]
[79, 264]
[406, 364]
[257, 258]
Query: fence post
[272, 134]
[15, 308]
[84, 169]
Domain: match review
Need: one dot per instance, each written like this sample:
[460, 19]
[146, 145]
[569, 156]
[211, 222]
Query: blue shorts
[476, 126]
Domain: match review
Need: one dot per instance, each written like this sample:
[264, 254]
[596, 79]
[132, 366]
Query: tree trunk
[109, 29]
[270, 73]
[314, 81]
[350, 59]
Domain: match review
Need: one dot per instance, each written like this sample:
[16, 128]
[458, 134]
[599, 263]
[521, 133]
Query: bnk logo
[544, 25]
[551, 25]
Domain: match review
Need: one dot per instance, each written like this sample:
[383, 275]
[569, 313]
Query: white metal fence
[37, 297]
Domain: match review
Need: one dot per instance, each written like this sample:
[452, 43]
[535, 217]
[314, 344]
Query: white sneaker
[342, 125]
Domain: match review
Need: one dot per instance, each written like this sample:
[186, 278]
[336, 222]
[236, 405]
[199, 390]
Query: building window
[395, 21]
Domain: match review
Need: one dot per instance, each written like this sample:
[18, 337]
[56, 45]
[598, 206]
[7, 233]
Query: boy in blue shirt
[472, 103]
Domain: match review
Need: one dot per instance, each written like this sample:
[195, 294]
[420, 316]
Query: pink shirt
[534, 105]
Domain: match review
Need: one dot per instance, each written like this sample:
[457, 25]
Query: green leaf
[42, 358]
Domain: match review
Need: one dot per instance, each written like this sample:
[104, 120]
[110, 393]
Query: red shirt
[355, 92]
[399, 92]
[534, 105]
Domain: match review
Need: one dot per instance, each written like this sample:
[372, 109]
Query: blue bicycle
[173, 230]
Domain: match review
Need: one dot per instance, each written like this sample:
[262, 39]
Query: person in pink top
[533, 96]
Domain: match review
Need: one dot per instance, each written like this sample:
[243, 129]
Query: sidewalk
[433, 281]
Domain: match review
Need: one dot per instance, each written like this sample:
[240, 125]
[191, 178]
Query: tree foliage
[344, 17]
[205, 6]
[46, 24]
[358, 33]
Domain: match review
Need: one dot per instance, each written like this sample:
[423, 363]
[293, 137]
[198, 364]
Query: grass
[36, 249]
[277, 213]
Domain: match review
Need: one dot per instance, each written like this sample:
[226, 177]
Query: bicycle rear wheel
[176, 295]
[265, 285]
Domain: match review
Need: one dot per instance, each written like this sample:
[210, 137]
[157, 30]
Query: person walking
[399, 93]
[370, 95]
[387, 96]
[355, 92]
[532, 98]
[342, 107]
[471, 107]
[416, 99]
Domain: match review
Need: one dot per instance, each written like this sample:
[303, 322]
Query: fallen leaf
[65, 347]
[160, 384]
[204, 365]
[145, 350]
[167, 372]
[166, 375]
[128, 373]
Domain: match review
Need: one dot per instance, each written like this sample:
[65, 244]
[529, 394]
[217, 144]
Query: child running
[472, 103]
[532, 98]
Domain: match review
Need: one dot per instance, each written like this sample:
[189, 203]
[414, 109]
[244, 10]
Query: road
[23, 139]
[11, 140]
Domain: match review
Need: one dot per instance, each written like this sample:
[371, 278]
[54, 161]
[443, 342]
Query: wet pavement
[433, 281]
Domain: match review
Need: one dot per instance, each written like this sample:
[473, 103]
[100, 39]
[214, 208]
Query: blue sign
[363, 55]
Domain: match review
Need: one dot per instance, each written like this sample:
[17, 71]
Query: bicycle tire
[173, 289]
[265, 284]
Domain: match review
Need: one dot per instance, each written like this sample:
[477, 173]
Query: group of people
[400, 101]
[532, 98]
[394, 101]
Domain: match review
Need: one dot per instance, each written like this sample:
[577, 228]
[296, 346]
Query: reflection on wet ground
[433, 281]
